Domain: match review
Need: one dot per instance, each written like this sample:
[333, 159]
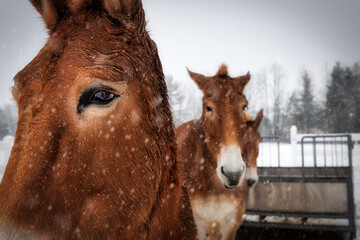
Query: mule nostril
[232, 176]
[234, 180]
[222, 171]
[250, 182]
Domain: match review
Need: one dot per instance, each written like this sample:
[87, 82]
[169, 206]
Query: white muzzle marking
[231, 167]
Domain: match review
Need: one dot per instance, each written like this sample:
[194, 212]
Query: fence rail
[325, 162]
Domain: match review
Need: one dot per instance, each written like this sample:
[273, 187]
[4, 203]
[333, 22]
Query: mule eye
[102, 97]
[97, 97]
[209, 109]
[245, 108]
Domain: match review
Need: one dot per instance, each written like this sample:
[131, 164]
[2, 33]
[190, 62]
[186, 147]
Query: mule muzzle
[251, 176]
[233, 177]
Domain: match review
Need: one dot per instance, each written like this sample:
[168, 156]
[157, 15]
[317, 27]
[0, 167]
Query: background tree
[277, 76]
[342, 99]
[308, 115]
[292, 113]
[356, 97]
[257, 93]
[176, 100]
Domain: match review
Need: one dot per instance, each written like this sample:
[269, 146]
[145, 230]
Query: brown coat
[94, 152]
[211, 155]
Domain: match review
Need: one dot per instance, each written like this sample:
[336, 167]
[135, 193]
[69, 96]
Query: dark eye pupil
[245, 107]
[96, 97]
[208, 109]
[102, 96]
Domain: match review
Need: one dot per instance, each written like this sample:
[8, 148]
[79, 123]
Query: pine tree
[308, 113]
[292, 115]
[334, 104]
[342, 99]
[277, 75]
[356, 96]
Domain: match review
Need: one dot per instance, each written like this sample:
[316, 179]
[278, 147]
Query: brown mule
[210, 151]
[94, 155]
[251, 143]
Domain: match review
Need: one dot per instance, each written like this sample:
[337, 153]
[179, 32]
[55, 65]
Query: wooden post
[293, 140]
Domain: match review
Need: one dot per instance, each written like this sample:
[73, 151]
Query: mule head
[251, 142]
[95, 131]
[224, 122]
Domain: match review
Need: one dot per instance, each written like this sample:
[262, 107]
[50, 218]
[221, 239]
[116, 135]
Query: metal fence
[267, 148]
[324, 159]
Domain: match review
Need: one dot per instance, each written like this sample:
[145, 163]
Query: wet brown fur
[107, 172]
[252, 139]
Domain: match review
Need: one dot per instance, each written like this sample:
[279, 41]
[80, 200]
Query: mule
[210, 152]
[94, 155]
[251, 141]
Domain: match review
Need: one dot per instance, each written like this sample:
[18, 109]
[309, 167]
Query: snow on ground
[329, 154]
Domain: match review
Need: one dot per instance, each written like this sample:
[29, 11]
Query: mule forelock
[76, 5]
[223, 71]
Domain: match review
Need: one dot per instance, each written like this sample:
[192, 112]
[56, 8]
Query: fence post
[293, 140]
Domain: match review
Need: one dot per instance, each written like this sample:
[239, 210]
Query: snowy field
[329, 154]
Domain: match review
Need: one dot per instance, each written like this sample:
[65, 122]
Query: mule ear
[199, 79]
[126, 10]
[50, 11]
[242, 81]
[258, 119]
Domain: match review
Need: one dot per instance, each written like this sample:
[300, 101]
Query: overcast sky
[202, 34]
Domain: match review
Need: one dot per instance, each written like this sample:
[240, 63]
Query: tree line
[337, 112]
